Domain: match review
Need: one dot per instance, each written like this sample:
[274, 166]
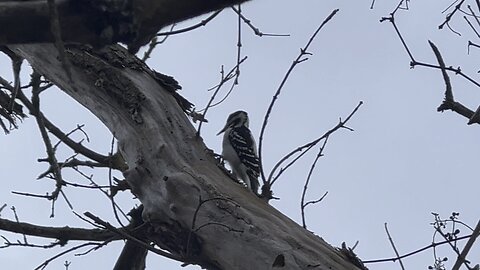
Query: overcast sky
[403, 161]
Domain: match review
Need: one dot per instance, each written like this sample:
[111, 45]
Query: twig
[255, 29]
[306, 147]
[110, 183]
[201, 202]
[454, 248]
[44, 264]
[450, 15]
[202, 23]
[18, 222]
[239, 45]
[64, 233]
[46, 139]
[77, 147]
[393, 246]
[223, 80]
[7, 244]
[303, 205]
[127, 236]
[3, 207]
[300, 58]
[90, 178]
[72, 163]
[304, 224]
[392, 20]
[446, 105]
[434, 244]
[154, 42]
[471, 26]
[78, 128]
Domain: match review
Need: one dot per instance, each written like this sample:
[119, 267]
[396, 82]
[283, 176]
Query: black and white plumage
[240, 150]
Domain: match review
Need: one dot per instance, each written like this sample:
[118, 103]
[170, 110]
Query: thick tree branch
[169, 168]
[61, 233]
[97, 22]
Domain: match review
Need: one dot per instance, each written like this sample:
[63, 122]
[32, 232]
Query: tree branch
[77, 147]
[61, 233]
[463, 255]
[298, 60]
[135, 24]
[449, 103]
[168, 167]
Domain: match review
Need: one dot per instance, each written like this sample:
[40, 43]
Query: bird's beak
[223, 130]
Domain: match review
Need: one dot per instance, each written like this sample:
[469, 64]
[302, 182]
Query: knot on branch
[446, 105]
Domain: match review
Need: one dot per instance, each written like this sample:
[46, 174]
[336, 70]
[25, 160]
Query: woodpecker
[239, 149]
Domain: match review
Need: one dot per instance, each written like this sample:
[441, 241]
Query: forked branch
[300, 58]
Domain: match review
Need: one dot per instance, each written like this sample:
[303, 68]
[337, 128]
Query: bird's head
[236, 119]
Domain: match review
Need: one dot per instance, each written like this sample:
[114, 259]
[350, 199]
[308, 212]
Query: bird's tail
[253, 181]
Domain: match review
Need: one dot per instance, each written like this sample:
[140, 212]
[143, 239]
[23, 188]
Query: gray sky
[403, 161]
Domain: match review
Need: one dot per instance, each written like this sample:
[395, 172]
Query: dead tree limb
[169, 167]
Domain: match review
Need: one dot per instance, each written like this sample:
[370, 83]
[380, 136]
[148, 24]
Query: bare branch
[303, 205]
[255, 29]
[127, 236]
[153, 43]
[448, 85]
[450, 15]
[72, 163]
[434, 244]
[78, 128]
[90, 178]
[239, 45]
[190, 28]
[471, 26]
[61, 233]
[77, 147]
[114, 160]
[297, 61]
[462, 257]
[45, 263]
[46, 139]
[110, 183]
[193, 228]
[306, 147]
[391, 19]
[449, 103]
[393, 246]
[230, 75]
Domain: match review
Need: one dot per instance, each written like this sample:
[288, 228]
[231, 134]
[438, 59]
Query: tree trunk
[170, 169]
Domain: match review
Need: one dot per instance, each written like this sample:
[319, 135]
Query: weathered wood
[170, 169]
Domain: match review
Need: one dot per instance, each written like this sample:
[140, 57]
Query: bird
[240, 151]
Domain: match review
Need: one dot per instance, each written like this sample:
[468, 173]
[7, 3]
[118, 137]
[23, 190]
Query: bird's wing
[242, 141]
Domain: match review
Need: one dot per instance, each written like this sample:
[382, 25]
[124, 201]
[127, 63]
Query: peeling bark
[169, 169]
